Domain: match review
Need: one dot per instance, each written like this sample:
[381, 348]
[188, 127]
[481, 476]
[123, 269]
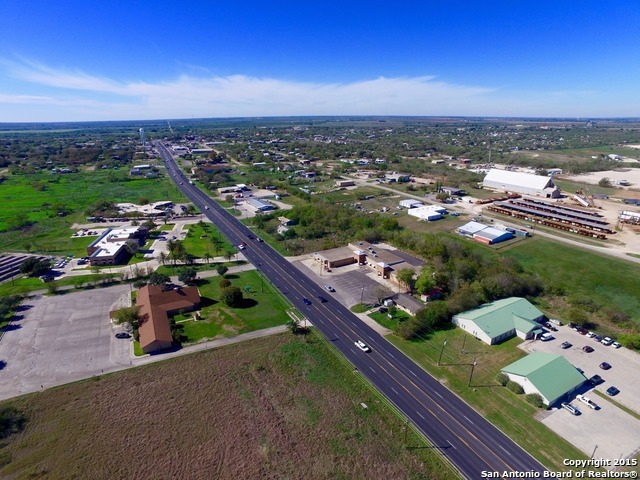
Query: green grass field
[38, 199]
[263, 308]
[204, 238]
[607, 280]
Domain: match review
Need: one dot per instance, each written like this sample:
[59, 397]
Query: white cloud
[238, 95]
[77, 95]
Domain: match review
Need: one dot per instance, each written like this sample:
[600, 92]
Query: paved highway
[463, 436]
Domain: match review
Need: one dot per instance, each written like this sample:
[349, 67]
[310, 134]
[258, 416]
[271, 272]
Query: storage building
[409, 203]
[519, 182]
[427, 212]
[501, 320]
[549, 375]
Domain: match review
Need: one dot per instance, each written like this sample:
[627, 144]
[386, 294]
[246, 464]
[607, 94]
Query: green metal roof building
[547, 374]
[497, 321]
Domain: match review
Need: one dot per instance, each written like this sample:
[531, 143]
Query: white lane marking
[391, 355]
[468, 420]
[504, 450]
[370, 368]
[421, 415]
[394, 390]
[413, 373]
[437, 394]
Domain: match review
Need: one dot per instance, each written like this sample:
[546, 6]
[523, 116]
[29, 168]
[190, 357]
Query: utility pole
[594, 451]
[473, 366]
[441, 351]
[464, 340]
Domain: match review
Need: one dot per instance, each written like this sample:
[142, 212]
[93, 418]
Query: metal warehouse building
[519, 182]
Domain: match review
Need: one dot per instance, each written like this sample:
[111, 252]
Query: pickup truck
[587, 401]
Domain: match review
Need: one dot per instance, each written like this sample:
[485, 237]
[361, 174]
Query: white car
[616, 345]
[607, 341]
[362, 346]
[241, 247]
[571, 408]
[587, 401]
[329, 288]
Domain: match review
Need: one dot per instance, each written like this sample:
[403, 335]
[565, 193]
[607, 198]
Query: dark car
[321, 298]
[587, 349]
[612, 391]
[306, 301]
[123, 335]
[597, 338]
[582, 331]
[596, 380]
[605, 366]
[565, 345]
[571, 325]
[250, 236]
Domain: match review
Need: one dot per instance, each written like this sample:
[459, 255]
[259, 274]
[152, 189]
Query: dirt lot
[278, 407]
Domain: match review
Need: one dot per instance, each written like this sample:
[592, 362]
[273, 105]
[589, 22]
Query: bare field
[278, 407]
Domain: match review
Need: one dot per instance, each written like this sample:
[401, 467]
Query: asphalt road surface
[463, 436]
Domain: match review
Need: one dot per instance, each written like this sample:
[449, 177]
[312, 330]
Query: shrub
[535, 400]
[515, 388]
[11, 421]
[225, 283]
[502, 379]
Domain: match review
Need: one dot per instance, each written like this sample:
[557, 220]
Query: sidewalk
[199, 347]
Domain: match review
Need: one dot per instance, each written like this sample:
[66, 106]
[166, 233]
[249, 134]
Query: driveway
[61, 339]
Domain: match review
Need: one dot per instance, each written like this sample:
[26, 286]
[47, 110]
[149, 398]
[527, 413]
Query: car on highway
[566, 345]
[258, 239]
[329, 288]
[322, 299]
[605, 366]
[587, 349]
[587, 401]
[573, 410]
[306, 301]
[595, 380]
[123, 335]
[250, 237]
[362, 346]
[612, 391]
[242, 246]
[206, 207]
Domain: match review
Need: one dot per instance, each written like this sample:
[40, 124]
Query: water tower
[142, 139]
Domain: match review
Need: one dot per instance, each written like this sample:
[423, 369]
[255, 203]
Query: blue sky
[72, 60]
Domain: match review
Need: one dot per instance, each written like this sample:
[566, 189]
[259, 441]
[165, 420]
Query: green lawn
[264, 307]
[390, 323]
[509, 412]
[607, 280]
[39, 197]
[204, 237]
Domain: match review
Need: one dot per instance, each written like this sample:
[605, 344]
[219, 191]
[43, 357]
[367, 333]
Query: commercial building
[156, 306]
[110, 247]
[501, 320]
[484, 233]
[549, 375]
[427, 212]
[409, 203]
[519, 182]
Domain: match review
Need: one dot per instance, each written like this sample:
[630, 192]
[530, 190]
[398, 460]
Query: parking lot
[60, 339]
[615, 432]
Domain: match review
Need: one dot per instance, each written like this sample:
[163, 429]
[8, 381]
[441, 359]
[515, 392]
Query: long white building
[519, 182]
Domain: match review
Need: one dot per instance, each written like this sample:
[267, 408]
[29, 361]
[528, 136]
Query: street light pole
[473, 366]
[362, 295]
[441, 352]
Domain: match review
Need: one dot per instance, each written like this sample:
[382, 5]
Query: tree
[158, 278]
[405, 277]
[207, 256]
[293, 324]
[381, 293]
[425, 282]
[187, 275]
[442, 196]
[132, 246]
[228, 255]
[605, 182]
[232, 296]
[162, 257]
[222, 269]
[130, 315]
[34, 267]
[224, 283]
